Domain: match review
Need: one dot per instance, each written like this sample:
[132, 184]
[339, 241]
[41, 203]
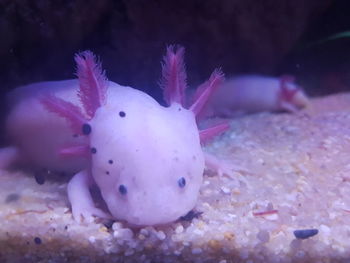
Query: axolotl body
[146, 159]
[256, 93]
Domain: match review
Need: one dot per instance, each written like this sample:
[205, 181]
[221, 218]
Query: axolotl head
[145, 158]
[291, 96]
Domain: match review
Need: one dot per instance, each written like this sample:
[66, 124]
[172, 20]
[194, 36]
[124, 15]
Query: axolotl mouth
[153, 209]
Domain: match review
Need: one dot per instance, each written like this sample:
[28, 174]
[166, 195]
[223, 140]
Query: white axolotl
[146, 159]
[254, 93]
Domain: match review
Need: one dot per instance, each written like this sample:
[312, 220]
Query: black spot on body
[93, 150]
[122, 189]
[110, 161]
[181, 182]
[305, 233]
[122, 114]
[107, 172]
[86, 129]
[37, 240]
[75, 135]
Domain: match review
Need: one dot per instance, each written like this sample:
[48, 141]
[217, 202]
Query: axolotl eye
[122, 189]
[181, 182]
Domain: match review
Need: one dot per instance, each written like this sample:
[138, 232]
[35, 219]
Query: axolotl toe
[146, 159]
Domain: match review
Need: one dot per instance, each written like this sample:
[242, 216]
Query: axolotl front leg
[80, 197]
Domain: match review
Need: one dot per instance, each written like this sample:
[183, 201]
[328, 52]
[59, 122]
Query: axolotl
[145, 158]
[255, 93]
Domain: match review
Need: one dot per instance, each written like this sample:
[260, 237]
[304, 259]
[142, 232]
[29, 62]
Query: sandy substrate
[297, 177]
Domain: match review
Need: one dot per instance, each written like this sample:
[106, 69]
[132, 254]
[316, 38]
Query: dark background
[38, 39]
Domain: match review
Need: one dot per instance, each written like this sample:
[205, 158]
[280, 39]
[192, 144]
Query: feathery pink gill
[174, 85]
[92, 91]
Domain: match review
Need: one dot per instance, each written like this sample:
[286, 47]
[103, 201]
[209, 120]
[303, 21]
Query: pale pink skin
[254, 93]
[39, 133]
[152, 147]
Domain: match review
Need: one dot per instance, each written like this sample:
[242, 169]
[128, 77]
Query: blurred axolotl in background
[254, 93]
[146, 159]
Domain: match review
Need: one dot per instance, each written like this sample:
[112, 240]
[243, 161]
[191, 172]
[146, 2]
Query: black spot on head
[110, 161]
[122, 114]
[86, 129]
[107, 172]
[181, 182]
[179, 109]
[37, 240]
[122, 189]
[75, 135]
[93, 150]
